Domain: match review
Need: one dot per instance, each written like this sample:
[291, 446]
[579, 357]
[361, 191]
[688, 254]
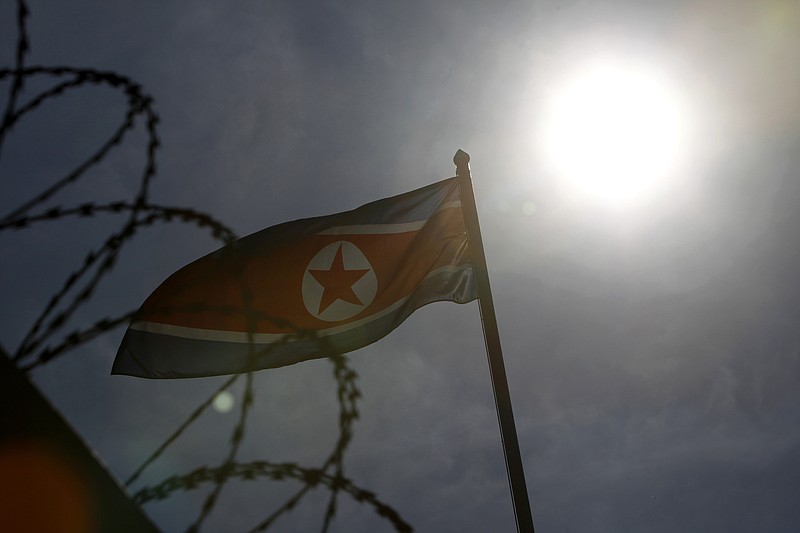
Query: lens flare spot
[224, 402]
[42, 490]
[529, 208]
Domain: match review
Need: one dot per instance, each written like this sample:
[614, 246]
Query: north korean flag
[304, 289]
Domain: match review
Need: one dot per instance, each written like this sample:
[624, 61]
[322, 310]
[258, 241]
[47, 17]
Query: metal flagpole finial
[461, 161]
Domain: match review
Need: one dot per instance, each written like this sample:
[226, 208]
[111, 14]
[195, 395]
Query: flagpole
[491, 335]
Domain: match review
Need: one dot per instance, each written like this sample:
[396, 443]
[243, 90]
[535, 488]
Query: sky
[649, 338]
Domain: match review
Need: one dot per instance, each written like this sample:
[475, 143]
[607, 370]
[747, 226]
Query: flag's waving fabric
[304, 289]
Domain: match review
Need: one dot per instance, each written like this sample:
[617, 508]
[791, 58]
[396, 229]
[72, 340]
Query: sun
[615, 130]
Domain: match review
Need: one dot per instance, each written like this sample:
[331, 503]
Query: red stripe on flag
[239, 290]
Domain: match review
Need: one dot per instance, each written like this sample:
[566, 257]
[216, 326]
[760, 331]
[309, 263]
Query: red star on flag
[338, 282]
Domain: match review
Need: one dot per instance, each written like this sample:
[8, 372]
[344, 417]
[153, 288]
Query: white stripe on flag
[385, 229]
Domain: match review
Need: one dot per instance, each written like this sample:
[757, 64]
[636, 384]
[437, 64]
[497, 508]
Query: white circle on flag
[342, 262]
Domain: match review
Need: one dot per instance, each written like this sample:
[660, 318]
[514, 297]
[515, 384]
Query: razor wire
[46, 341]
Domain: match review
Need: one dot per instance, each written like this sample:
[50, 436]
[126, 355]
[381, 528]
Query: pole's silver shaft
[502, 398]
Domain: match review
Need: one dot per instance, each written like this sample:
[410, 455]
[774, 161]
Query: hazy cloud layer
[653, 354]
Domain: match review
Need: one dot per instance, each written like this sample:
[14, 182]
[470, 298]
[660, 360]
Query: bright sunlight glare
[615, 131]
